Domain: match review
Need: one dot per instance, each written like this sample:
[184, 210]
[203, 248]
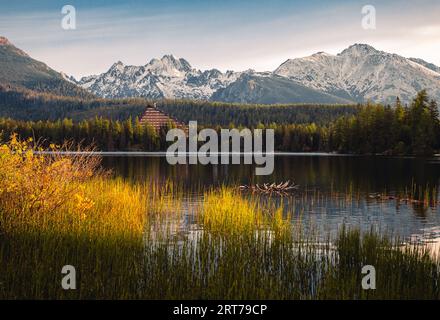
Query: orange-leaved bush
[34, 184]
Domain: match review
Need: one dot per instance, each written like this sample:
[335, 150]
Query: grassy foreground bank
[122, 240]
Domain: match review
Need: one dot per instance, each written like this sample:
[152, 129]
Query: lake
[334, 190]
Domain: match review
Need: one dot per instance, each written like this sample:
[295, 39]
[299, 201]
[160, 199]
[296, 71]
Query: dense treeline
[398, 130]
[128, 135]
[104, 134]
[23, 104]
[59, 87]
[250, 115]
[375, 129]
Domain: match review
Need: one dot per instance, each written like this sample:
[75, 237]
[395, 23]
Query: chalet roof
[158, 119]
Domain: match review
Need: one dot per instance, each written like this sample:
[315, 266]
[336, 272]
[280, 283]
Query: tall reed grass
[126, 242]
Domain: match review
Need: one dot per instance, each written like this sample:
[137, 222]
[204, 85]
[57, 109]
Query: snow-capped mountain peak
[358, 73]
[362, 73]
[169, 65]
[117, 67]
[359, 49]
[322, 54]
[168, 77]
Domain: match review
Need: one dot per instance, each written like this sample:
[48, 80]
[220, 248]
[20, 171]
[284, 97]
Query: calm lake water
[334, 190]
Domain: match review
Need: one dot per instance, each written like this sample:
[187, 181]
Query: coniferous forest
[362, 129]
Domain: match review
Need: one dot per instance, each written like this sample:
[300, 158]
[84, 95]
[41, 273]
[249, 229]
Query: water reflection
[334, 190]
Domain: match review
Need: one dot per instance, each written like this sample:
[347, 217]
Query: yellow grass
[226, 212]
[65, 195]
[57, 211]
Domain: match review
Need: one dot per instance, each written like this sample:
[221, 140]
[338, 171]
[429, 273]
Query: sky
[227, 35]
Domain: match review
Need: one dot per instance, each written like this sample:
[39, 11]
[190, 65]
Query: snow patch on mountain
[362, 73]
[358, 73]
[167, 77]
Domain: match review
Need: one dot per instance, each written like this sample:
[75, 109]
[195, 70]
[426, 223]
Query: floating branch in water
[425, 200]
[282, 189]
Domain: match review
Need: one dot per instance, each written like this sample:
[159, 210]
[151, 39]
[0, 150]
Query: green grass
[212, 267]
[259, 262]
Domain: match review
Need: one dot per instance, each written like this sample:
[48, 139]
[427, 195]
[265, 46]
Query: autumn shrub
[58, 209]
[37, 185]
[64, 192]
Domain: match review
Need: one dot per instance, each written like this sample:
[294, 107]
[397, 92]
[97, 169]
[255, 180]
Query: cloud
[428, 31]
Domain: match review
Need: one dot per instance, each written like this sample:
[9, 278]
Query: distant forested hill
[223, 114]
[18, 69]
[24, 104]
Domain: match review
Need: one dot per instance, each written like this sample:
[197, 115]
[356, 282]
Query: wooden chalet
[158, 119]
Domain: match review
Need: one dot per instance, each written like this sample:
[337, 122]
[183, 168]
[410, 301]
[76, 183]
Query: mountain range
[160, 78]
[362, 73]
[357, 74]
[18, 69]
